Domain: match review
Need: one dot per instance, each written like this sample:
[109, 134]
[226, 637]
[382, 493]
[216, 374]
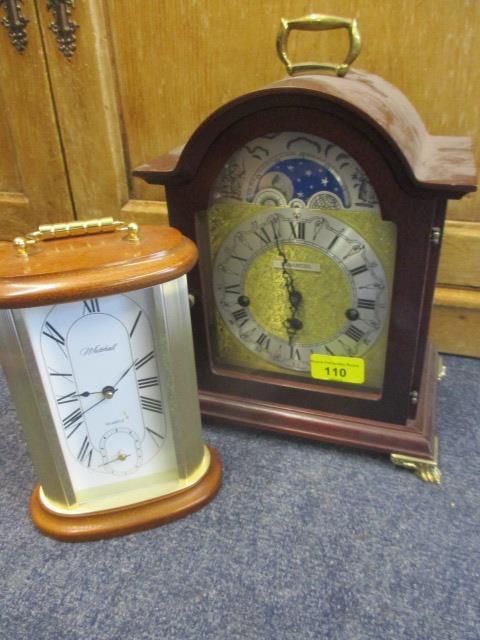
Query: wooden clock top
[442, 163]
[74, 268]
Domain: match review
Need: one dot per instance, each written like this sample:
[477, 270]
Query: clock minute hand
[108, 391]
[124, 374]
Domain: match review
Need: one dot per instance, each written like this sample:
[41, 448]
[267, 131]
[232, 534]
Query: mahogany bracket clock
[96, 345]
[318, 205]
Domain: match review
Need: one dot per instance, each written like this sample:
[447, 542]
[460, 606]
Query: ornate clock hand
[292, 324]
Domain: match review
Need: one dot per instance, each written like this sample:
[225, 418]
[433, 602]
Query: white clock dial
[295, 169]
[99, 362]
[320, 247]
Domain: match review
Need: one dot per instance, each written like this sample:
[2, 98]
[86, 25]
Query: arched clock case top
[413, 175]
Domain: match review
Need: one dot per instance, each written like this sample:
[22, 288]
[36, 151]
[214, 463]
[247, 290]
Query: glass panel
[174, 333]
[301, 278]
[103, 375]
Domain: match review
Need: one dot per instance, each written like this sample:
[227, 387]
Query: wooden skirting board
[456, 314]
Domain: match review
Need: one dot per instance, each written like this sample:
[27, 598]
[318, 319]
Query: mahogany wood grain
[436, 161]
[413, 174]
[67, 269]
[138, 517]
[414, 438]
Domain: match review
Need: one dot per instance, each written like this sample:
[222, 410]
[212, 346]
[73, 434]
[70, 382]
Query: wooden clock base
[413, 444]
[137, 517]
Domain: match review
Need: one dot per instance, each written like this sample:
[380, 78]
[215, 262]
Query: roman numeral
[329, 351]
[85, 453]
[69, 397]
[354, 333]
[358, 270]
[298, 230]
[144, 360]
[73, 419]
[294, 353]
[154, 433]
[91, 306]
[241, 316]
[144, 383]
[52, 333]
[233, 288]
[263, 235]
[151, 404]
[275, 234]
[67, 376]
[330, 246]
[263, 340]
[135, 323]
[239, 258]
[363, 303]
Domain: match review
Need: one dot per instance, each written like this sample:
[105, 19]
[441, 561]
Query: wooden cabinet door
[33, 180]
[95, 141]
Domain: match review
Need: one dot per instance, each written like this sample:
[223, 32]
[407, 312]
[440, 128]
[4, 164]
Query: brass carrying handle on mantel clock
[74, 228]
[318, 22]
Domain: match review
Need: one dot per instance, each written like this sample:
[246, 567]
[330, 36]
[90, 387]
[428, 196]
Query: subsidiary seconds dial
[292, 282]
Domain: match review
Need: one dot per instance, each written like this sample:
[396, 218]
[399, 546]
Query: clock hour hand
[85, 394]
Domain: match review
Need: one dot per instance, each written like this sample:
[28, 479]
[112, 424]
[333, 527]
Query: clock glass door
[101, 370]
[299, 265]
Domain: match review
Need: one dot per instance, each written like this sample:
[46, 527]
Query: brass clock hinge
[414, 397]
[425, 469]
[436, 236]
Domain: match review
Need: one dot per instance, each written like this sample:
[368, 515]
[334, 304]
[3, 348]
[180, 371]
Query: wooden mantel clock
[96, 345]
[318, 204]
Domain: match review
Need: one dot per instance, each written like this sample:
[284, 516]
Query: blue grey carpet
[303, 541]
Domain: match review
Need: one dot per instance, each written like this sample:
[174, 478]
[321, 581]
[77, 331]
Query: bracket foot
[427, 470]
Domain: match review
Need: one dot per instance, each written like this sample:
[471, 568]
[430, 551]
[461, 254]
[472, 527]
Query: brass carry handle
[74, 228]
[318, 22]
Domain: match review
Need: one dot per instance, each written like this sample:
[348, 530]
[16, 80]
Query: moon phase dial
[296, 170]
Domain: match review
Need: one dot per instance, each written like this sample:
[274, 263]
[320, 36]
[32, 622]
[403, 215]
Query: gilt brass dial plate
[290, 283]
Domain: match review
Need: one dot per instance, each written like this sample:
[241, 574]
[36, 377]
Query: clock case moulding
[413, 173]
